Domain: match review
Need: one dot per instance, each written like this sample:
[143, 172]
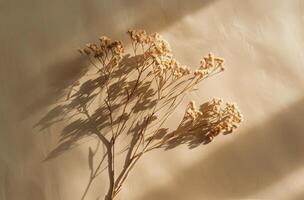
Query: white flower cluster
[191, 112]
[214, 117]
[209, 65]
[160, 51]
[106, 50]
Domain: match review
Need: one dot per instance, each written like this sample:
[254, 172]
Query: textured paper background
[262, 42]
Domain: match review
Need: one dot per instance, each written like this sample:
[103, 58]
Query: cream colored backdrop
[263, 44]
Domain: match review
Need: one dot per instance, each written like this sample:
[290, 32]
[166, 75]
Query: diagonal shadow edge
[255, 160]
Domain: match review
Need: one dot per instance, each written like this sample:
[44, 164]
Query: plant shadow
[255, 160]
[88, 93]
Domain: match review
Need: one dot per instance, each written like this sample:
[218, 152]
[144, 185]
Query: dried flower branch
[129, 100]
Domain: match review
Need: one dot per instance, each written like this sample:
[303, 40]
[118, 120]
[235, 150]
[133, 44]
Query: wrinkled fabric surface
[262, 43]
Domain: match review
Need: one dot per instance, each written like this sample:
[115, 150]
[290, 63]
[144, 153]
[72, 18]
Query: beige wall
[262, 42]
